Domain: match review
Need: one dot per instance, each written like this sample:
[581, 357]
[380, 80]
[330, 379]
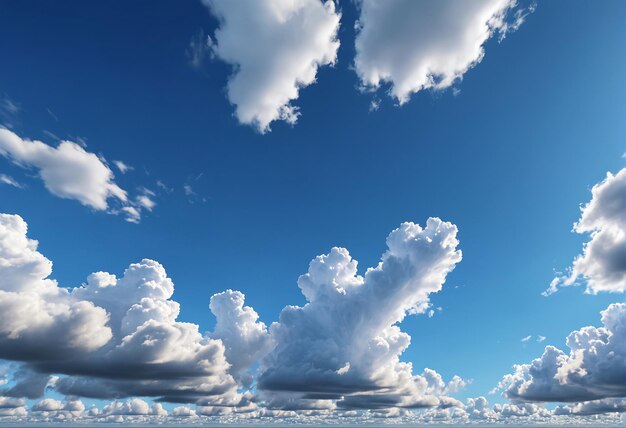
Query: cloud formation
[416, 45]
[602, 265]
[343, 347]
[594, 369]
[275, 49]
[113, 337]
[70, 172]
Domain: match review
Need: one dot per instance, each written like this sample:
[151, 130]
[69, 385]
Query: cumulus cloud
[71, 172]
[343, 347]
[113, 337]
[275, 49]
[37, 317]
[68, 171]
[245, 338]
[602, 265]
[594, 368]
[596, 407]
[416, 45]
[120, 337]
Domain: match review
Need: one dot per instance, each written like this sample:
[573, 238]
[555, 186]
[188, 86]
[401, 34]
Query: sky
[264, 148]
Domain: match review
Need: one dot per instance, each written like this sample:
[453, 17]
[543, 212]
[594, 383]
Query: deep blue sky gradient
[509, 159]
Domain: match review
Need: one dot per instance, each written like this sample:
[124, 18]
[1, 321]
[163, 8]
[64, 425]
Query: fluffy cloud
[343, 347]
[134, 407]
[245, 338]
[602, 264]
[416, 45]
[113, 337]
[594, 369]
[596, 407]
[116, 337]
[37, 317]
[275, 49]
[69, 171]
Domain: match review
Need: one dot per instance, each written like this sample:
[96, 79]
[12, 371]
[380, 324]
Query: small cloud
[541, 338]
[123, 167]
[199, 50]
[133, 215]
[145, 202]
[526, 339]
[164, 187]
[189, 190]
[52, 115]
[374, 105]
[9, 110]
[192, 195]
[343, 370]
[5, 179]
[51, 135]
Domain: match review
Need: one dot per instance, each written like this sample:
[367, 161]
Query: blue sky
[507, 154]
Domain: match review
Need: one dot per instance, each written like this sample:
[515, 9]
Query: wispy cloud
[10, 181]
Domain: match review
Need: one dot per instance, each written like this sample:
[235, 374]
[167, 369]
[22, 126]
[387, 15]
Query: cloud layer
[416, 45]
[275, 49]
[120, 337]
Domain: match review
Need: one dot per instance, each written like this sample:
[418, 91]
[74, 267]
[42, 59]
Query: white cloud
[199, 49]
[595, 407]
[123, 167]
[275, 49]
[69, 171]
[602, 265]
[343, 347]
[246, 338]
[117, 337]
[37, 316]
[113, 337]
[594, 368]
[133, 407]
[9, 111]
[415, 44]
[526, 339]
[10, 181]
[145, 201]
[47, 405]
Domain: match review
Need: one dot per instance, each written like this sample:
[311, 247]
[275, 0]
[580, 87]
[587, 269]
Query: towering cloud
[419, 44]
[343, 347]
[275, 48]
[602, 264]
[245, 338]
[120, 337]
